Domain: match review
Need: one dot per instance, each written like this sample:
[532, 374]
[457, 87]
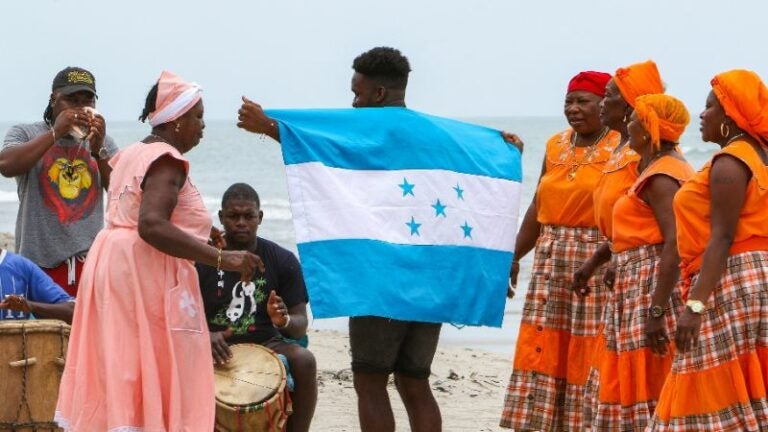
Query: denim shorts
[383, 345]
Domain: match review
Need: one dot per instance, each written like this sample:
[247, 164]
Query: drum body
[251, 393]
[32, 354]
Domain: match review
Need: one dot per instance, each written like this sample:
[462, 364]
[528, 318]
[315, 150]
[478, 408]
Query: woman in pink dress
[139, 353]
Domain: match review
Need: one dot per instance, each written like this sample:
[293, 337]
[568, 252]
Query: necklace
[220, 282]
[159, 138]
[734, 138]
[588, 155]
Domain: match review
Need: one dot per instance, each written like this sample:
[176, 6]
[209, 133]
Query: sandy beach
[469, 386]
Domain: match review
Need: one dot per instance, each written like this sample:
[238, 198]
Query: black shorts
[382, 345]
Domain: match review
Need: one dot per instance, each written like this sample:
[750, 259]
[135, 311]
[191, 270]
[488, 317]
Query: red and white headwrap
[174, 98]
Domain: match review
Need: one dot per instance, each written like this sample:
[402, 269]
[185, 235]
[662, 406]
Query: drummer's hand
[219, 348]
[16, 303]
[277, 310]
[244, 262]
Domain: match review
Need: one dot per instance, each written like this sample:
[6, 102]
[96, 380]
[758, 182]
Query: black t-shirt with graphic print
[242, 307]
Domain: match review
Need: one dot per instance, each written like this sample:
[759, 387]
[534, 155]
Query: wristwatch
[695, 306]
[103, 154]
[656, 311]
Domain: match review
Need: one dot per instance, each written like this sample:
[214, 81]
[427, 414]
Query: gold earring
[725, 130]
[178, 127]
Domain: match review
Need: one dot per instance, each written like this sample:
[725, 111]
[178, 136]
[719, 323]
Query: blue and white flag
[401, 215]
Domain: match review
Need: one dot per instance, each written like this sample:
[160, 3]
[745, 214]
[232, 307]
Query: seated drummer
[26, 290]
[272, 312]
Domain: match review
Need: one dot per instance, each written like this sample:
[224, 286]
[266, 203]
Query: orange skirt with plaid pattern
[557, 336]
[721, 383]
[629, 377]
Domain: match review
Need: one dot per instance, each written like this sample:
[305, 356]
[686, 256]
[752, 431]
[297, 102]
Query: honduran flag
[400, 214]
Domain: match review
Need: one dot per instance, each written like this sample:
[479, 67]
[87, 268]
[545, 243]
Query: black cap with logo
[74, 79]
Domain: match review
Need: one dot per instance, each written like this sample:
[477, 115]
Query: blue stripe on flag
[456, 284]
[362, 138]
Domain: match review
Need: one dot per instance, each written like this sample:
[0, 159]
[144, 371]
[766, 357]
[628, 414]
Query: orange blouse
[692, 207]
[619, 173]
[564, 195]
[634, 223]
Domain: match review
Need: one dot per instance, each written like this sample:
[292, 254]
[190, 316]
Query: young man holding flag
[383, 221]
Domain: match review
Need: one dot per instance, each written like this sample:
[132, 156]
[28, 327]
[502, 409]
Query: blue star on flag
[407, 187]
[414, 226]
[439, 208]
[459, 192]
[467, 230]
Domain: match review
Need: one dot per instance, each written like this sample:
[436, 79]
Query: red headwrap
[591, 81]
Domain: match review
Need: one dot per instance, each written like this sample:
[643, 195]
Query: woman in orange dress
[640, 315]
[139, 356]
[621, 170]
[720, 370]
[558, 328]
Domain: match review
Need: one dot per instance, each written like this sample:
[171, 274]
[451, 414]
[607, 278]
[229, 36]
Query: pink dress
[139, 357]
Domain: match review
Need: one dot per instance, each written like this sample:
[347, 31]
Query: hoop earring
[725, 130]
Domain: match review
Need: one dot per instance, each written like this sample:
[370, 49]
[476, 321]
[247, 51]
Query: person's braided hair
[149, 104]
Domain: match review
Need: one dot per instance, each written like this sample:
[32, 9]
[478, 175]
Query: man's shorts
[383, 345]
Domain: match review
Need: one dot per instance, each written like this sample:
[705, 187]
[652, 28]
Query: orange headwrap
[637, 80]
[664, 117]
[744, 98]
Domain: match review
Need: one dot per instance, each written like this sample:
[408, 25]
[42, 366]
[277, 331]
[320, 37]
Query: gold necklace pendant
[572, 173]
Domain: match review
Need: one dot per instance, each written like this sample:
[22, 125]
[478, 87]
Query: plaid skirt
[623, 388]
[557, 335]
[720, 385]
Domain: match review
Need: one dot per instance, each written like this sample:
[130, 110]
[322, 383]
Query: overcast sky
[469, 58]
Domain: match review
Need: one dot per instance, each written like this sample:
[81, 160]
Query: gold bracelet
[218, 261]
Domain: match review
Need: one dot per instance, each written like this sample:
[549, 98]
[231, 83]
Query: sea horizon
[228, 155]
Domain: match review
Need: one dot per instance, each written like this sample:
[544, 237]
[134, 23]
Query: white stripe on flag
[442, 208]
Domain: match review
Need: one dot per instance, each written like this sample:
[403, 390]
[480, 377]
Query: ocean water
[228, 155]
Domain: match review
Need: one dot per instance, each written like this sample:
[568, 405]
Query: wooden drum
[32, 354]
[251, 393]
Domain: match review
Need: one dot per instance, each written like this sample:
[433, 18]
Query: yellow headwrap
[664, 117]
[637, 80]
[744, 98]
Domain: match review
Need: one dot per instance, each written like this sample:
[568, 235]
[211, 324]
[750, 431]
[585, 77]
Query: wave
[6, 197]
[274, 209]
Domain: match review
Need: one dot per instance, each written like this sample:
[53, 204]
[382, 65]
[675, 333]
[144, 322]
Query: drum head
[252, 375]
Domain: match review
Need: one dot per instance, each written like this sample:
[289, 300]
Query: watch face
[657, 311]
[103, 153]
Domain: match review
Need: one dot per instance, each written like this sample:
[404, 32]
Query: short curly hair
[240, 192]
[384, 64]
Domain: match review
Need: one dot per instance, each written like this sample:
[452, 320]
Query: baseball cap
[74, 79]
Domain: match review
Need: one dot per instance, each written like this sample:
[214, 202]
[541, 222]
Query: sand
[469, 386]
